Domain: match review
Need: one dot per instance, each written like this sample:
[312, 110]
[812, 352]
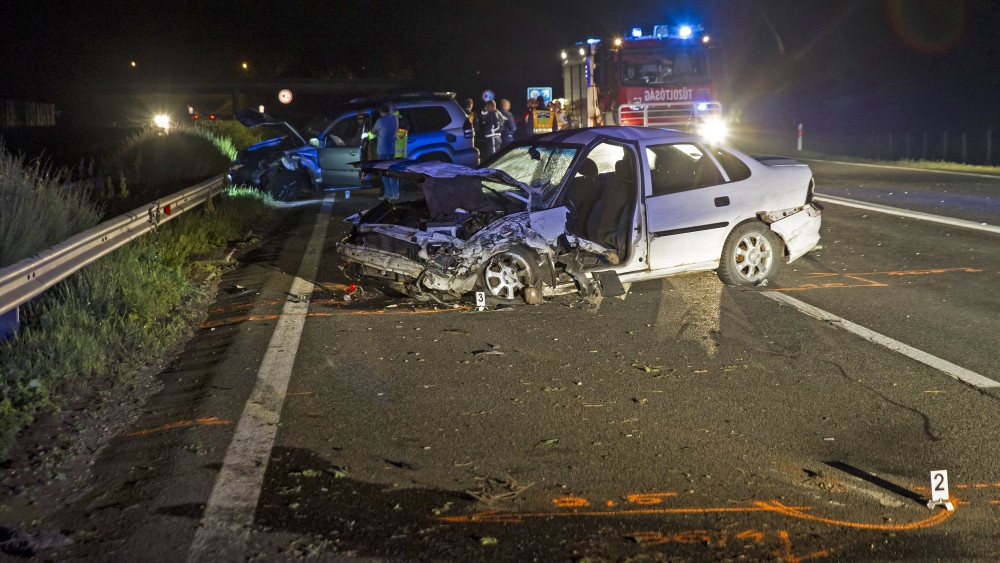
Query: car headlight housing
[291, 161]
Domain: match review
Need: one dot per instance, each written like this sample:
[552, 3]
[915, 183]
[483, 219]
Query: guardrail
[23, 281]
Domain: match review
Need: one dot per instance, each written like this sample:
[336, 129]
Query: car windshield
[664, 66]
[315, 127]
[541, 167]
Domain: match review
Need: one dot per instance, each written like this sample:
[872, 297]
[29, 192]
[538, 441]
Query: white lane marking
[958, 372]
[225, 526]
[905, 168]
[907, 213]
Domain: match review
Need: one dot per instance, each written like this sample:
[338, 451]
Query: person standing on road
[493, 123]
[385, 137]
[509, 125]
[541, 118]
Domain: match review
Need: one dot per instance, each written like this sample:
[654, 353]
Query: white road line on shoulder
[907, 213]
[958, 372]
[904, 168]
[225, 526]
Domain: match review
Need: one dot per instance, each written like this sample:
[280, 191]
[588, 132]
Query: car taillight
[467, 127]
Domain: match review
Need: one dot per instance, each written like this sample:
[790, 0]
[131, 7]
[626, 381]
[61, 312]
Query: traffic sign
[543, 91]
[285, 96]
[487, 95]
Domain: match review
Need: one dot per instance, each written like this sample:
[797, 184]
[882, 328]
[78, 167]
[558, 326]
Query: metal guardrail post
[23, 281]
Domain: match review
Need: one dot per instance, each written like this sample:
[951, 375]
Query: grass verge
[33, 194]
[122, 311]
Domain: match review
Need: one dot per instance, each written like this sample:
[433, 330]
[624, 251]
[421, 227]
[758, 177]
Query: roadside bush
[110, 318]
[37, 210]
[236, 133]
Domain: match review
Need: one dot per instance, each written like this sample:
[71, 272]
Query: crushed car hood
[254, 118]
[449, 186]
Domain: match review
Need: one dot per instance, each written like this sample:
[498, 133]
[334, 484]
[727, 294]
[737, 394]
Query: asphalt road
[686, 421]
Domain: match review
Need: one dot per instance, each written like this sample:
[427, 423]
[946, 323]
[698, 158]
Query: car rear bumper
[800, 231]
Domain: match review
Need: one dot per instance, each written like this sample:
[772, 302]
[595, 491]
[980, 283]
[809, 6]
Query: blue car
[321, 157]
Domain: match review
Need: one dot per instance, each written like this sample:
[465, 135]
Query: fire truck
[658, 80]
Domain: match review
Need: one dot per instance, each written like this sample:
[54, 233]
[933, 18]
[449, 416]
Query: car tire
[288, 186]
[438, 156]
[508, 274]
[751, 256]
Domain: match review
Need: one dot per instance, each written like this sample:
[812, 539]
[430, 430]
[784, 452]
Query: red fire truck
[658, 80]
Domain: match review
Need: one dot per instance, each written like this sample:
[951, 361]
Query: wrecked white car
[589, 210]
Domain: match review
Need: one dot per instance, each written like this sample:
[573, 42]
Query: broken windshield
[541, 167]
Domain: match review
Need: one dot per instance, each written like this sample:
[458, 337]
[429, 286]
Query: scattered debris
[17, 541]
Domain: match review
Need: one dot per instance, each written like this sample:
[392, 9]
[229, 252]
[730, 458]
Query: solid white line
[225, 526]
[907, 213]
[906, 168]
[958, 372]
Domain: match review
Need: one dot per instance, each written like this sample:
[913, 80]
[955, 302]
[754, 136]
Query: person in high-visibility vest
[402, 133]
[542, 119]
[559, 119]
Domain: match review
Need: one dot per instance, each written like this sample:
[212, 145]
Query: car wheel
[751, 256]
[288, 186]
[438, 156]
[507, 274]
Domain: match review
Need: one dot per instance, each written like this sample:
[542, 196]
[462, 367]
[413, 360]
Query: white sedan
[589, 210]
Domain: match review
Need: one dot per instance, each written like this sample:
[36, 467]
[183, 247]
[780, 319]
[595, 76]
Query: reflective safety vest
[401, 137]
[543, 120]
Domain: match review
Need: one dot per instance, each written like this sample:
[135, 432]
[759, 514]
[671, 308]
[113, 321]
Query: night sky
[840, 63]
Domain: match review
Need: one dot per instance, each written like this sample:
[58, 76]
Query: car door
[689, 206]
[340, 146]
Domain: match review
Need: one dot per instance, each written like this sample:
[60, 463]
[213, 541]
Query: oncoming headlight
[713, 131]
[290, 162]
[162, 121]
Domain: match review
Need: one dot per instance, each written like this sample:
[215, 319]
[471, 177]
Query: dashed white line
[225, 526]
[907, 213]
[958, 372]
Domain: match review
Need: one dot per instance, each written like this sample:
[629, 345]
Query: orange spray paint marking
[757, 536]
[649, 498]
[181, 424]
[863, 277]
[570, 502]
[787, 555]
[771, 506]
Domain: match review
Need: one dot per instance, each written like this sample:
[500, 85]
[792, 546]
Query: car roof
[406, 98]
[620, 133]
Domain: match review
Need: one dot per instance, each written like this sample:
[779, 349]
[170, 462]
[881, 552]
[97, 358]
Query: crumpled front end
[444, 255]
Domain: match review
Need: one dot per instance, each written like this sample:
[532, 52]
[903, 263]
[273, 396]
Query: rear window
[426, 119]
[733, 166]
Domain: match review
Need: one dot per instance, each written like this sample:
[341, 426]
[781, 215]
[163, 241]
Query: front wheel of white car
[751, 256]
[507, 274]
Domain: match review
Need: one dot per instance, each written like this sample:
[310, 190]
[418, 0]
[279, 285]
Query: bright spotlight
[713, 131]
[162, 121]
[685, 32]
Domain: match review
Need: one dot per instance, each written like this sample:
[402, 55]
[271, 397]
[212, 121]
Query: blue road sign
[544, 91]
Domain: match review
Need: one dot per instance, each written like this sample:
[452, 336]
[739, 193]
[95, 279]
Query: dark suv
[319, 158]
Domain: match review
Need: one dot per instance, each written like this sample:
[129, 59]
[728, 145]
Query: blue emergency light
[636, 32]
